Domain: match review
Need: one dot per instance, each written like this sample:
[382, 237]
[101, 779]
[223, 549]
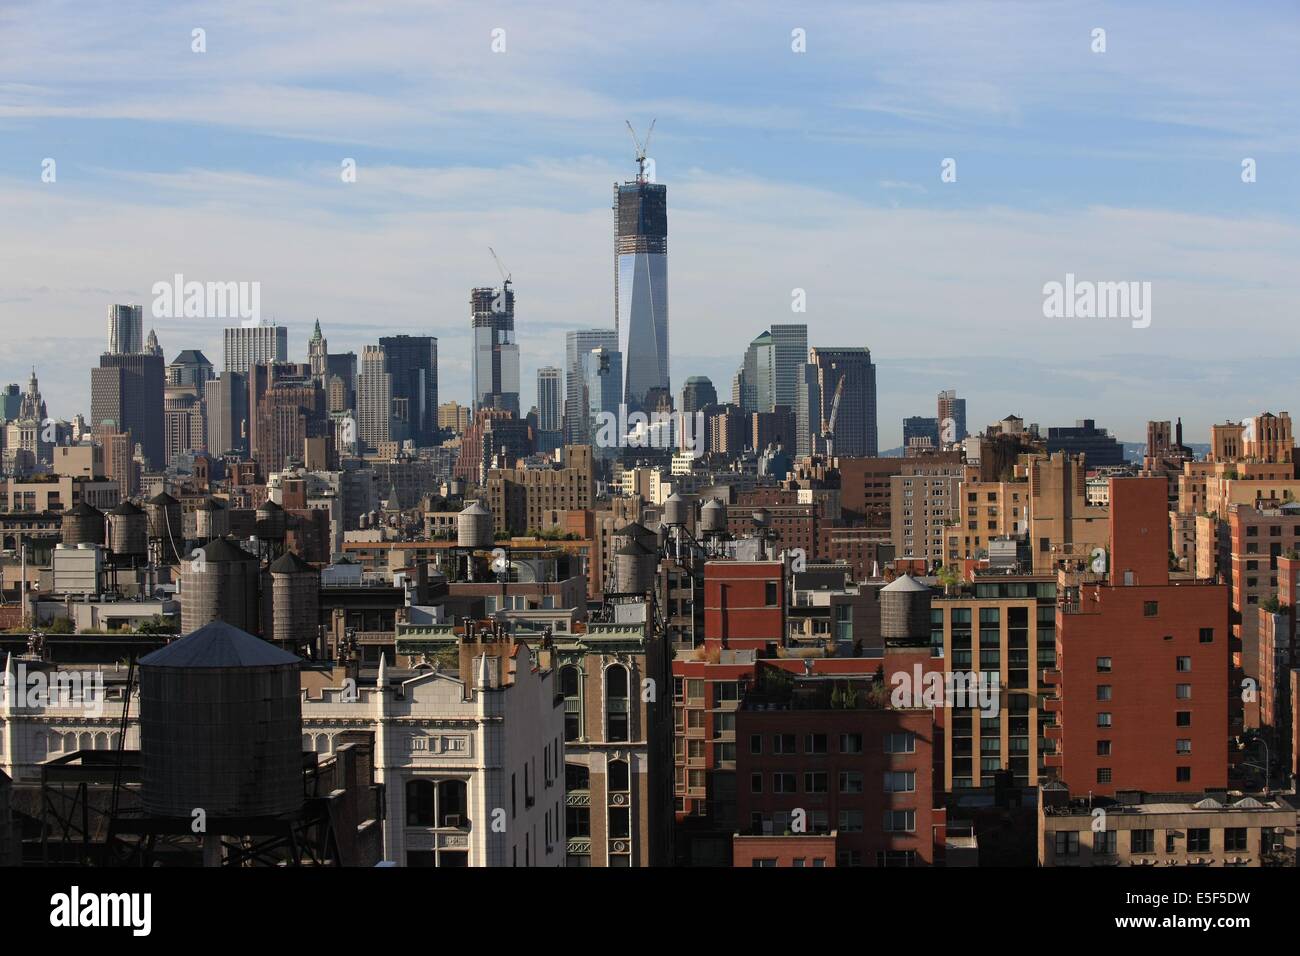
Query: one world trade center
[641, 285]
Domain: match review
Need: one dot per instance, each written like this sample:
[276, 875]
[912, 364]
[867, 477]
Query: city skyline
[814, 185]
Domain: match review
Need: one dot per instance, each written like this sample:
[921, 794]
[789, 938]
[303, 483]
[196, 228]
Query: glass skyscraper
[641, 287]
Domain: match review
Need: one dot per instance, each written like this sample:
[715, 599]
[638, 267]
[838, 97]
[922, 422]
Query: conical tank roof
[905, 582]
[219, 645]
[126, 508]
[290, 563]
[223, 550]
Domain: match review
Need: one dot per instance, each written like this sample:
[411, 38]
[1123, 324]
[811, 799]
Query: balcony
[1052, 732]
[1053, 760]
[1052, 705]
[1049, 675]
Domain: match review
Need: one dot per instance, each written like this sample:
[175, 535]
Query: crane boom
[641, 147]
[505, 276]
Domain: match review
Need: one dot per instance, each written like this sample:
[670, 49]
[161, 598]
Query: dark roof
[85, 510]
[222, 549]
[633, 528]
[191, 357]
[290, 563]
[126, 508]
[219, 645]
[162, 498]
[269, 506]
[634, 547]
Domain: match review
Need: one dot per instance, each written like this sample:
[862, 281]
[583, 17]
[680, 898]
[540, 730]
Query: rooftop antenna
[641, 147]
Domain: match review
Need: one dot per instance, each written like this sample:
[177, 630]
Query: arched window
[618, 776]
[453, 807]
[419, 803]
[616, 708]
[571, 691]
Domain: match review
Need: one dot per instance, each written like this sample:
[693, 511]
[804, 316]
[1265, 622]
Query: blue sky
[816, 170]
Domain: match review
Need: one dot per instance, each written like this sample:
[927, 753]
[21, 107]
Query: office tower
[374, 398]
[1085, 438]
[254, 343]
[318, 353]
[126, 392]
[151, 346]
[344, 368]
[494, 366]
[290, 411]
[412, 365]
[758, 375]
[806, 418]
[920, 430]
[951, 412]
[845, 411]
[550, 404]
[454, 417]
[641, 285]
[12, 399]
[789, 353]
[698, 394]
[601, 372]
[190, 368]
[125, 329]
[226, 398]
[577, 344]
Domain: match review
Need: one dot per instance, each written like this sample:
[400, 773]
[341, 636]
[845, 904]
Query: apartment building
[534, 499]
[987, 510]
[1063, 527]
[924, 504]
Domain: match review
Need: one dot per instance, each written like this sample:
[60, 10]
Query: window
[900, 821]
[756, 743]
[1234, 839]
[1067, 843]
[1171, 841]
[570, 690]
[577, 821]
[1183, 664]
[815, 781]
[419, 803]
[783, 783]
[814, 743]
[850, 821]
[850, 743]
[1103, 691]
[783, 743]
[1183, 774]
[1103, 719]
[770, 594]
[1198, 840]
[1183, 746]
[576, 777]
[763, 863]
[900, 781]
[850, 781]
[1103, 774]
[619, 822]
[618, 776]
[1103, 665]
[436, 804]
[1184, 691]
[1141, 841]
[903, 743]
[616, 703]
[1207, 635]
[1105, 842]
[1183, 718]
[1103, 748]
[755, 783]
[1150, 608]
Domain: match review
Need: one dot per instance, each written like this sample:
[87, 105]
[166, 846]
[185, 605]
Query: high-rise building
[454, 417]
[226, 398]
[125, 329]
[601, 371]
[343, 367]
[758, 375]
[577, 344]
[190, 368]
[923, 430]
[952, 417]
[789, 353]
[126, 392]
[254, 343]
[550, 402]
[413, 368]
[844, 409]
[374, 398]
[318, 355]
[698, 394]
[641, 286]
[494, 365]
[1085, 438]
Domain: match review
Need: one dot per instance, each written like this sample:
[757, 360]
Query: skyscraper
[412, 365]
[550, 405]
[757, 376]
[494, 365]
[227, 401]
[577, 344]
[126, 392]
[952, 411]
[697, 394]
[845, 407]
[125, 329]
[253, 343]
[374, 398]
[789, 353]
[318, 355]
[601, 370]
[343, 366]
[641, 286]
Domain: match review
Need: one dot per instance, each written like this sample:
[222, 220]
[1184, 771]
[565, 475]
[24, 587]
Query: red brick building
[1142, 662]
[809, 850]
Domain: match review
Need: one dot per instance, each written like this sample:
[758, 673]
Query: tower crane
[828, 433]
[505, 276]
[641, 147]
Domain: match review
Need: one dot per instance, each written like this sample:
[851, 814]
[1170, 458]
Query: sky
[820, 170]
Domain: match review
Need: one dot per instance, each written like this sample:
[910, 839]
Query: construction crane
[505, 276]
[828, 433]
[641, 147]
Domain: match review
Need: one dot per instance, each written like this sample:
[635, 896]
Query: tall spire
[316, 336]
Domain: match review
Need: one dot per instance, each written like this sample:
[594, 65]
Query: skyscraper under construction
[641, 283]
[495, 368]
